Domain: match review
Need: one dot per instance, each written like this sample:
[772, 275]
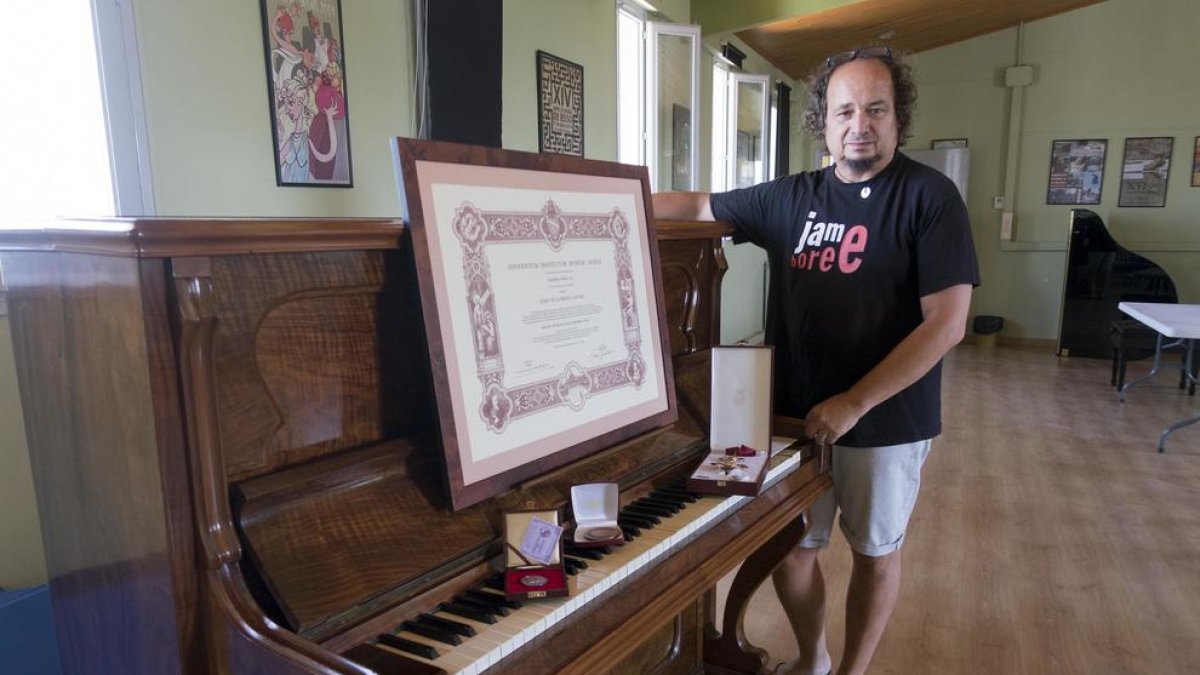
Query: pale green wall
[204, 81]
[1112, 70]
[582, 31]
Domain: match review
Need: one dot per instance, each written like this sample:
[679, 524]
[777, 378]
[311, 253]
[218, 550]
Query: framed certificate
[540, 290]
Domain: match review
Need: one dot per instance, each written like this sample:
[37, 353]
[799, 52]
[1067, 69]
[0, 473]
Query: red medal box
[527, 578]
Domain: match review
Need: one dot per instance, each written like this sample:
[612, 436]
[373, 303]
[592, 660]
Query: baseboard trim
[1028, 343]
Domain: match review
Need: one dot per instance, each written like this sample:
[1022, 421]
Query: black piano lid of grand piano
[1100, 274]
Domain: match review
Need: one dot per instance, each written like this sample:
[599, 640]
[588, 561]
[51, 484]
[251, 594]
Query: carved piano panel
[295, 448]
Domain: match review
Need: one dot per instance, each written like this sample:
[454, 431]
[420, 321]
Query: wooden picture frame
[1076, 171]
[560, 105]
[540, 285]
[307, 92]
[1145, 170]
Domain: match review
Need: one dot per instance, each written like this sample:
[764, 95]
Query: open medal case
[595, 507]
[740, 422]
[529, 575]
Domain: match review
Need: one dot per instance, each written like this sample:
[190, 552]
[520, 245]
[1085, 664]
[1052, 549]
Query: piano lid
[1100, 274]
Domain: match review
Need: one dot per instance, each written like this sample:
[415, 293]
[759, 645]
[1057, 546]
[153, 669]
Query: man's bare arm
[681, 206]
[943, 327]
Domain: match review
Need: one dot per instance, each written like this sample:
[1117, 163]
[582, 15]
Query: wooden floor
[1050, 536]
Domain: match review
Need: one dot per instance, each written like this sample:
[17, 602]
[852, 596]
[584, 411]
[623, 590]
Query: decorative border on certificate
[539, 283]
[574, 384]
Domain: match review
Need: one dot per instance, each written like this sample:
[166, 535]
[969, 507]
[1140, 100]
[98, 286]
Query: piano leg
[729, 652]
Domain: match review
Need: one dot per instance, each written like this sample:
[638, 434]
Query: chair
[1132, 340]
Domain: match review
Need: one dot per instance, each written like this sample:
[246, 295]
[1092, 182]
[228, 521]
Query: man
[872, 267]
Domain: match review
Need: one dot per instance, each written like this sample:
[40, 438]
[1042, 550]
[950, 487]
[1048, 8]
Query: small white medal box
[740, 422]
[595, 506]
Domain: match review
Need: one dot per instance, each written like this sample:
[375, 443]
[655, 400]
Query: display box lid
[741, 402]
[595, 507]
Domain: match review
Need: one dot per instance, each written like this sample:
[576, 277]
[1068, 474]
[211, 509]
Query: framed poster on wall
[306, 88]
[560, 105]
[1076, 171]
[1144, 171]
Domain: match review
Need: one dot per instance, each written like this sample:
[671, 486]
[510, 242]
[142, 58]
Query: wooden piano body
[237, 466]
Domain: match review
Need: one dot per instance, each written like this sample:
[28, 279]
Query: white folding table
[1181, 324]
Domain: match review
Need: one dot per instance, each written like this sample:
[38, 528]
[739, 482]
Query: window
[631, 60]
[76, 152]
[720, 144]
[658, 98]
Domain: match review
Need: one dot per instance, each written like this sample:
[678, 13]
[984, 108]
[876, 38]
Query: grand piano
[1100, 274]
[236, 461]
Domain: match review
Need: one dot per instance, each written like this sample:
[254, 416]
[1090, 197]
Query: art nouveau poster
[306, 85]
[543, 291]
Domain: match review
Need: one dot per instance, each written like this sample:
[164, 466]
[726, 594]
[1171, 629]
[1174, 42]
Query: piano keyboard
[480, 628]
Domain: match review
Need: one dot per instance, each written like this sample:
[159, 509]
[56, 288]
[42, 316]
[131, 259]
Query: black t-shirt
[849, 264]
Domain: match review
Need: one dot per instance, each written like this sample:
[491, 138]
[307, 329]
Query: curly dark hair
[904, 91]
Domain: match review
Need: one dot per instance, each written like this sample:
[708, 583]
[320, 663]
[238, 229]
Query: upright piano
[1100, 274]
[235, 454]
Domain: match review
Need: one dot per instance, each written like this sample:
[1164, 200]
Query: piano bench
[1132, 340]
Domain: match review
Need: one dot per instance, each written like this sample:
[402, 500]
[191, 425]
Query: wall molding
[1135, 246]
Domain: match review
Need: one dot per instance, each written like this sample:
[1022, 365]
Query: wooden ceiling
[798, 44]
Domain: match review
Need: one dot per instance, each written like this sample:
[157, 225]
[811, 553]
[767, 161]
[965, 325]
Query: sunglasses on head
[878, 52]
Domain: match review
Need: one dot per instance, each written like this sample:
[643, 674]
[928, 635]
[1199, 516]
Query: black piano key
[570, 568]
[385, 662]
[579, 563]
[666, 500]
[467, 612]
[636, 518]
[418, 648]
[481, 606]
[493, 598]
[631, 532]
[590, 554]
[671, 507]
[680, 498]
[463, 629]
[626, 519]
[431, 632]
[676, 494]
[495, 582]
[660, 511]
[639, 512]
[485, 604]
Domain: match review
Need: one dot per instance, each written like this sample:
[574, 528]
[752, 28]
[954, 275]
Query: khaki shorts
[876, 490]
